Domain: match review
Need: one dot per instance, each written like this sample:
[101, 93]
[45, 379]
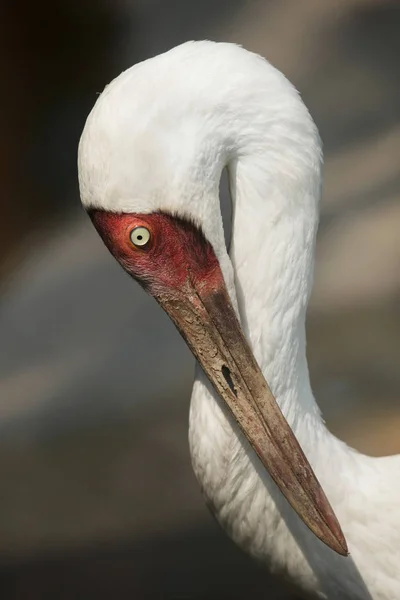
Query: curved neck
[275, 194]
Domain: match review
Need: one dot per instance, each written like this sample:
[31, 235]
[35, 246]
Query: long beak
[206, 319]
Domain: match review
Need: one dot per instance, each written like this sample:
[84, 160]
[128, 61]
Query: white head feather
[161, 133]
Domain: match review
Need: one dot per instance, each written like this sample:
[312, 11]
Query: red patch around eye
[177, 249]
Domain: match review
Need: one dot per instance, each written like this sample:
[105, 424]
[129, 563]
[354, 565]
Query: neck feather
[275, 186]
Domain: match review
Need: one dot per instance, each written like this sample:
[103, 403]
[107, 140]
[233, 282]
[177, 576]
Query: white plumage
[158, 139]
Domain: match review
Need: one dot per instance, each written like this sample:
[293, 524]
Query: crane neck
[275, 181]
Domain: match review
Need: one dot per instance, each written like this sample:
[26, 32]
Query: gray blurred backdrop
[97, 497]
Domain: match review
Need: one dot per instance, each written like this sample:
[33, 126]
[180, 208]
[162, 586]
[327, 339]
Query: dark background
[97, 497]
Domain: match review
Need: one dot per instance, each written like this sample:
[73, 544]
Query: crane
[314, 511]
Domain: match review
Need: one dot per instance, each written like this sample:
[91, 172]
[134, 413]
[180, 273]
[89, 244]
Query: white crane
[150, 161]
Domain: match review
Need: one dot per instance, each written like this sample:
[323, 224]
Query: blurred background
[97, 496]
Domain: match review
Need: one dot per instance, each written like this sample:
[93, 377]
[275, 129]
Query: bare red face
[175, 251]
[176, 264]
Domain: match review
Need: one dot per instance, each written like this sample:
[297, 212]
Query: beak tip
[340, 547]
[337, 540]
[344, 550]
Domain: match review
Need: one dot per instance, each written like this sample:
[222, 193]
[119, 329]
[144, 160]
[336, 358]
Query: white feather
[158, 138]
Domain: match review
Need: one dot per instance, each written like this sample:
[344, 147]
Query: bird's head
[149, 178]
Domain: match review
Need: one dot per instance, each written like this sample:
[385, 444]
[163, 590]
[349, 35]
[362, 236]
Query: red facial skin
[177, 251]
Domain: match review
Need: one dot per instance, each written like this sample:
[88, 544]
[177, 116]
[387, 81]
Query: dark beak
[206, 319]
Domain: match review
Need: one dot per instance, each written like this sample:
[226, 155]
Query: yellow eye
[140, 236]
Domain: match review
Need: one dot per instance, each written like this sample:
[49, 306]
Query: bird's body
[157, 141]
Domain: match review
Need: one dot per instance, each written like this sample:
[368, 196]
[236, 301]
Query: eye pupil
[140, 236]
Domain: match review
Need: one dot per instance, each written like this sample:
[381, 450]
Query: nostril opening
[228, 378]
